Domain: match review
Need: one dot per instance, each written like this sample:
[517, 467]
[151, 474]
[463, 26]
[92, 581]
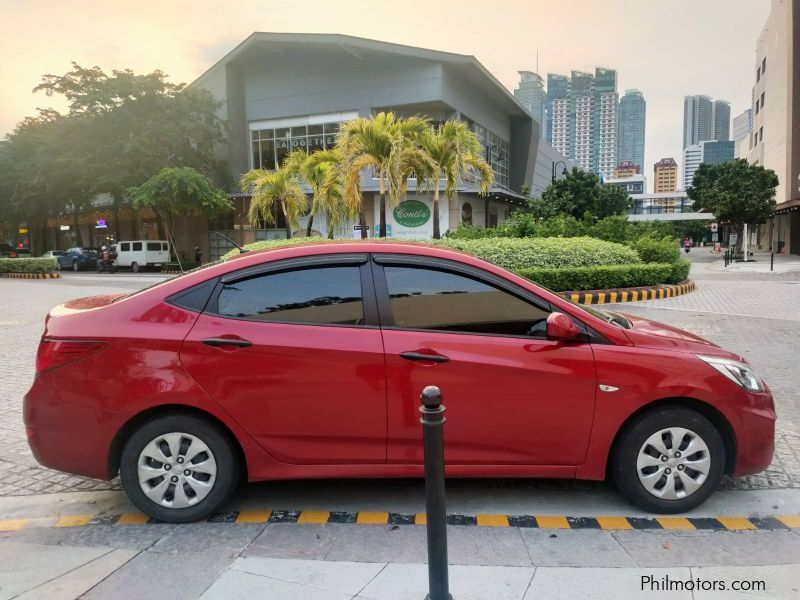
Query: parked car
[5, 249]
[20, 253]
[53, 254]
[78, 259]
[142, 253]
[308, 362]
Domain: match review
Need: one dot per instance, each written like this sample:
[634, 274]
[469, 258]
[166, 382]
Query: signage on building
[734, 237]
[64, 228]
[412, 213]
[22, 230]
[101, 224]
[357, 231]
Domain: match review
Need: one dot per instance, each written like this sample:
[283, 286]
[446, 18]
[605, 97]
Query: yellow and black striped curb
[653, 292]
[31, 275]
[323, 517]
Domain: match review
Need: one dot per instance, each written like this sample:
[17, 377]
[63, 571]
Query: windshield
[609, 317]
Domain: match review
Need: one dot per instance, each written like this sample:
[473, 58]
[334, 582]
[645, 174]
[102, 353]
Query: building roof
[278, 43]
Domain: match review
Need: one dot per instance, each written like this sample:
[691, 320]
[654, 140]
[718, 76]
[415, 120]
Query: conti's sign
[412, 213]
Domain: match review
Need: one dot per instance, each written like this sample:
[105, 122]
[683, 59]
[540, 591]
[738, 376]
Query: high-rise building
[775, 138]
[557, 86]
[665, 175]
[582, 118]
[721, 119]
[625, 169]
[697, 120]
[742, 125]
[709, 152]
[630, 141]
[531, 95]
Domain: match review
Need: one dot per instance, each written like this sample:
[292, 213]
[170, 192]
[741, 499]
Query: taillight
[57, 353]
[13, 254]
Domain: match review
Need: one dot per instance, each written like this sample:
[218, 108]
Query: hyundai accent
[308, 361]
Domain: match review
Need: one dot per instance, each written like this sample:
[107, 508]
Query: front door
[512, 396]
[295, 356]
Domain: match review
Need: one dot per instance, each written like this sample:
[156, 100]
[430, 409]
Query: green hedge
[27, 265]
[526, 253]
[657, 250]
[604, 277]
[680, 271]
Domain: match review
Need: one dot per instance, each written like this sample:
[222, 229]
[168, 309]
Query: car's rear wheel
[135, 267]
[75, 266]
[669, 460]
[178, 468]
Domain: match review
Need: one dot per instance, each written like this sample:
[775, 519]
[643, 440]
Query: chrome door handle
[218, 342]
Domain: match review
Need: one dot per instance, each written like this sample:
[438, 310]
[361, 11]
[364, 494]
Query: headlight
[738, 372]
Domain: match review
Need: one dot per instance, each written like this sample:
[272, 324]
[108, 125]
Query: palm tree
[454, 152]
[269, 188]
[318, 171]
[387, 144]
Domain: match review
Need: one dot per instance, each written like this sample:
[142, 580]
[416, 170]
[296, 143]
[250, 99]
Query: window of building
[761, 135]
[763, 65]
[423, 298]
[271, 146]
[323, 295]
[763, 94]
[757, 103]
[758, 74]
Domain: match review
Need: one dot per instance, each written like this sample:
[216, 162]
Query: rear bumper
[74, 436]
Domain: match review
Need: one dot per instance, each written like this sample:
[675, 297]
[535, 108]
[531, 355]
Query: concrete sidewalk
[386, 564]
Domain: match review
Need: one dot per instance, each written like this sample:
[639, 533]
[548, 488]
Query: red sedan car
[308, 361]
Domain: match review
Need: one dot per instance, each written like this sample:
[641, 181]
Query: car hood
[645, 333]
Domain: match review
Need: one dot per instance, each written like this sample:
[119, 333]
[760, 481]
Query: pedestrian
[687, 244]
[198, 255]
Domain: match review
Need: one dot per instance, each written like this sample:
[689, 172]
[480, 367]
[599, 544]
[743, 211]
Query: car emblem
[607, 388]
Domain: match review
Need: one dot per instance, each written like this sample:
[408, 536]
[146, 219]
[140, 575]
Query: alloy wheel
[177, 470]
[673, 463]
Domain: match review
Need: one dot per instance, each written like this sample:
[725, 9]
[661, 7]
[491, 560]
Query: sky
[665, 48]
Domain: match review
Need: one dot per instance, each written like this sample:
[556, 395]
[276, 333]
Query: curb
[319, 517]
[31, 275]
[653, 292]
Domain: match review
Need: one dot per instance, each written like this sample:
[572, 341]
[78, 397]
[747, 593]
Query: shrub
[522, 253]
[600, 277]
[654, 250]
[680, 271]
[27, 265]
[265, 244]
[471, 232]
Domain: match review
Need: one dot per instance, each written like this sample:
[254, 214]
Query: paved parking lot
[754, 314]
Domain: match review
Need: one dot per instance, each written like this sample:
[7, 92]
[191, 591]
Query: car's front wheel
[178, 468]
[669, 460]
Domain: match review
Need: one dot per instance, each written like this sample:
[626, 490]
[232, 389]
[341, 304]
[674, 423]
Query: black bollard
[771, 259]
[433, 443]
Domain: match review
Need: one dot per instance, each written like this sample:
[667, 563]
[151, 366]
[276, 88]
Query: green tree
[736, 192]
[387, 144]
[271, 189]
[453, 152]
[573, 195]
[178, 191]
[319, 171]
[611, 200]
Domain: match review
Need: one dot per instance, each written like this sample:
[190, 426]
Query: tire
[175, 430]
[676, 478]
[58, 265]
[135, 267]
[75, 266]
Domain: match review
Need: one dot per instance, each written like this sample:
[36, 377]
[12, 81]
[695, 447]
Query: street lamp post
[564, 172]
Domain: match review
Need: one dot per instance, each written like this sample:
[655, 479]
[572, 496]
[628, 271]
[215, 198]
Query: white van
[142, 253]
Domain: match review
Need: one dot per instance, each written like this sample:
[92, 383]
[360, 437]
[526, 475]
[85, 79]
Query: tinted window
[429, 299]
[125, 247]
[319, 295]
[153, 246]
[137, 246]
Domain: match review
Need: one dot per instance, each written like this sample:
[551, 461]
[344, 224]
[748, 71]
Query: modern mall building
[282, 91]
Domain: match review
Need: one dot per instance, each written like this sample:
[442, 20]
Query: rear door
[294, 353]
[512, 396]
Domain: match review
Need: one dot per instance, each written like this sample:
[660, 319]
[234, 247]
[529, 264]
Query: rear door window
[137, 246]
[153, 246]
[317, 295]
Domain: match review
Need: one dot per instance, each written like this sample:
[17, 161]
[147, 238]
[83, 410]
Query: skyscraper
[531, 95]
[709, 152]
[721, 114]
[742, 125]
[582, 118]
[697, 120]
[665, 175]
[630, 141]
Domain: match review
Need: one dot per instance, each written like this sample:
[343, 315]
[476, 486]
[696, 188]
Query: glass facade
[663, 205]
[271, 146]
[497, 152]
